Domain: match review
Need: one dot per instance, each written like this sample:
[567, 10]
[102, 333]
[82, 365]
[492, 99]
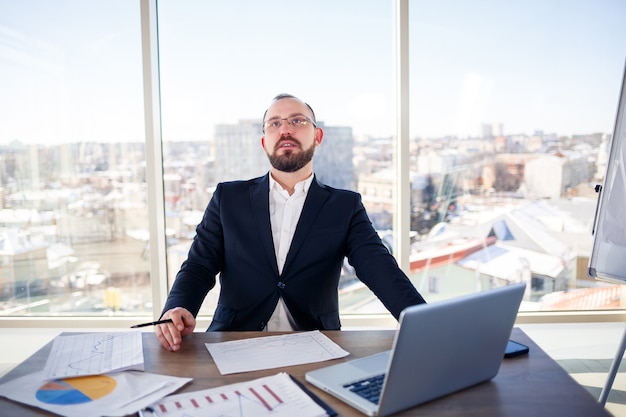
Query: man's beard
[291, 161]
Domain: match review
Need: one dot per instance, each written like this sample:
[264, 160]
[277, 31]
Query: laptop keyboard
[368, 388]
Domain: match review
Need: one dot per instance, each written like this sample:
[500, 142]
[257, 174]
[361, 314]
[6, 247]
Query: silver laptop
[438, 349]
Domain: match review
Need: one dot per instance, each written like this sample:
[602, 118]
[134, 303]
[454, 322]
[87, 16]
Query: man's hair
[285, 95]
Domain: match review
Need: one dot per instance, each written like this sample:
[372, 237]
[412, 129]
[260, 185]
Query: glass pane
[72, 164]
[220, 68]
[512, 109]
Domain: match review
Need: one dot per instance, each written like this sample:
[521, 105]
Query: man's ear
[319, 136]
[263, 142]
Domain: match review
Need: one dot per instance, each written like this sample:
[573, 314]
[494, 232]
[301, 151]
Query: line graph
[94, 353]
[97, 353]
[273, 351]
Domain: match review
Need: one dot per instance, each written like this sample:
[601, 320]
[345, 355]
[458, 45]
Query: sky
[71, 69]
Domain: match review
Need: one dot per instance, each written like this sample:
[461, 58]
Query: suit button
[281, 285]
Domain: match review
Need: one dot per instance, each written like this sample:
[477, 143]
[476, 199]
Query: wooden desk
[532, 385]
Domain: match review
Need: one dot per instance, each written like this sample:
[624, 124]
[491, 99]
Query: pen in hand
[152, 323]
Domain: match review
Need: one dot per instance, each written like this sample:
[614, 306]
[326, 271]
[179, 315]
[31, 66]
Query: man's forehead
[287, 107]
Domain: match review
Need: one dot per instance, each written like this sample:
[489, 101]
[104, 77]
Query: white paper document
[117, 394]
[276, 396]
[93, 354]
[273, 351]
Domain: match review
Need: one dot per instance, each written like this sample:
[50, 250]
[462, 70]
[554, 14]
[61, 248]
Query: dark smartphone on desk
[515, 349]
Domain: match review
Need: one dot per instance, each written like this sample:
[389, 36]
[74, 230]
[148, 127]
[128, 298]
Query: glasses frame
[296, 125]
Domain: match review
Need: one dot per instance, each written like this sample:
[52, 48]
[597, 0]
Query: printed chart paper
[273, 351]
[93, 354]
[276, 396]
[115, 395]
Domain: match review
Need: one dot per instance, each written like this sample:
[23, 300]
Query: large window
[220, 69]
[511, 111]
[72, 163]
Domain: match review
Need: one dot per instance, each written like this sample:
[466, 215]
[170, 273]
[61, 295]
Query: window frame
[160, 281]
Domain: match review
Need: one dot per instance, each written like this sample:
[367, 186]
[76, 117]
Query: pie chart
[76, 390]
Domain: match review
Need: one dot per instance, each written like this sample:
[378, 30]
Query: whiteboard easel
[608, 255]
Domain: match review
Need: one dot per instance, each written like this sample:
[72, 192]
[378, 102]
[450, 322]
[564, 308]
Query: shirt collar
[303, 185]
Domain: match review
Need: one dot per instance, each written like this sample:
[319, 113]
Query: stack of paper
[93, 374]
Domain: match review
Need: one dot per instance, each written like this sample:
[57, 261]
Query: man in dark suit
[278, 243]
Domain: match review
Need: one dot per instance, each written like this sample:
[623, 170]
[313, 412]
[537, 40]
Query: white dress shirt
[285, 212]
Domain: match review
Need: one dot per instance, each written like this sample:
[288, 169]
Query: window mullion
[154, 154]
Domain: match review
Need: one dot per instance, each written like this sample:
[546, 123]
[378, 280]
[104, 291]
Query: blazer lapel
[259, 200]
[315, 199]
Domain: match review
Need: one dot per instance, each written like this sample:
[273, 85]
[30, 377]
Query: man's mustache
[291, 139]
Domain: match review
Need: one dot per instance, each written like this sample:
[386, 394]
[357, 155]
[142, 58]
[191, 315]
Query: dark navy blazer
[234, 239]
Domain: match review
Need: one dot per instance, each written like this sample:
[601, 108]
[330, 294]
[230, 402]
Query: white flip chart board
[608, 254]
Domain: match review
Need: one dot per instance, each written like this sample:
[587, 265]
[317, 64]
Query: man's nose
[285, 128]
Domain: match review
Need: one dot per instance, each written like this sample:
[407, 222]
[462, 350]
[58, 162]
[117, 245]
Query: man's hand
[171, 334]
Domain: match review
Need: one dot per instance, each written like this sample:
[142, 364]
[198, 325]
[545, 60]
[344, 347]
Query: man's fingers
[171, 334]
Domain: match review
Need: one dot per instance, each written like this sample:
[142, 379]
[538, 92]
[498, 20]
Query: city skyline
[552, 66]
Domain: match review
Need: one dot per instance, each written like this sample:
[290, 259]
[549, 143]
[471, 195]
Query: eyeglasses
[294, 121]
